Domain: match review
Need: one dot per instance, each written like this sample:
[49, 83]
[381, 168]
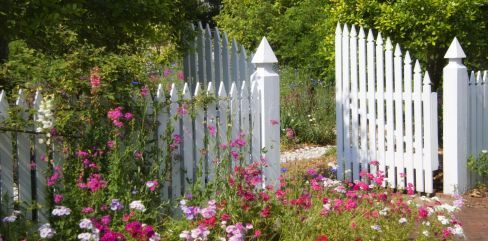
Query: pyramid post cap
[264, 54]
[455, 50]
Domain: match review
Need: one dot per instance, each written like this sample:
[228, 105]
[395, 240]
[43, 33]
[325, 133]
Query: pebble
[304, 153]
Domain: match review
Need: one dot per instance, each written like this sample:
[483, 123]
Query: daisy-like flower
[61, 211]
[137, 205]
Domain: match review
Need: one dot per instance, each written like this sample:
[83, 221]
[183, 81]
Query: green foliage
[479, 165]
[307, 108]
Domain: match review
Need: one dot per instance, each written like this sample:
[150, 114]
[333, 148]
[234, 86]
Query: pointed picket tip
[210, 88]
[388, 45]
[361, 33]
[398, 51]
[222, 92]
[37, 98]
[407, 60]
[234, 43]
[478, 77]
[353, 32]
[471, 78]
[254, 86]
[174, 92]
[186, 92]
[233, 89]
[20, 99]
[264, 54]
[417, 69]
[244, 88]
[225, 39]
[338, 29]
[455, 50]
[379, 39]
[427, 78]
[484, 76]
[370, 36]
[200, 25]
[243, 51]
[198, 89]
[207, 31]
[345, 32]
[3, 106]
[217, 33]
[192, 26]
[160, 92]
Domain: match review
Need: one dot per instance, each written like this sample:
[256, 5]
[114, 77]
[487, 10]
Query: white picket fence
[244, 109]
[384, 112]
[212, 57]
[465, 107]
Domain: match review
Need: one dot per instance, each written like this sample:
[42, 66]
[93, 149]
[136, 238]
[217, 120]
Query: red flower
[209, 222]
[322, 238]
[257, 233]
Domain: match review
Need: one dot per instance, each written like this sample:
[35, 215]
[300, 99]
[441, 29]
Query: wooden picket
[403, 136]
[211, 58]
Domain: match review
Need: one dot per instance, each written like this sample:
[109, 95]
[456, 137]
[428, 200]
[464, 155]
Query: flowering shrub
[314, 208]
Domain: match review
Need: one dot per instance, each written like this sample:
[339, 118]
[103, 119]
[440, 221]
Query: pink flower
[110, 144]
[152, 185]
[180, 75]
[274, 122]
[265, 212]
[374, 162]
[211, 130]
[144, 91]
[95, 78]
[58, 198]
[257, 233]
[176, 141]
[167, 72]
[182, 110]
[290, 134]
[128, 116]
[33, 166]
[87, 210]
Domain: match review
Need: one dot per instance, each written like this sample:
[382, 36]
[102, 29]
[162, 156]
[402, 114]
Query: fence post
[269, 86]
[455, 85]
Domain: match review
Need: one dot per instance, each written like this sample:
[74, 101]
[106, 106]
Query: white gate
[384, 112]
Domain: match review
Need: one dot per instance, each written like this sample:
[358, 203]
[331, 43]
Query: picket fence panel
[202, 140]
[403, 136]
[212, 58]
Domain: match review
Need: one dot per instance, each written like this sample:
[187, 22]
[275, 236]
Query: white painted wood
[201, 54]
[390, 126]
[363, 133]
[255, 122]
[380, 76]
[200, 156]
[208, 55]
[479, 113]
[399, 117]
[269, 87]
[234, 62]
[245, 120]
[6, 159]
[243, 74]
[41, 167]
[354, 104]
[346, 101]
[188, 157]
[163, 118]
[212, 148]
[223, 128]
[338, 99]
[217, 59]
[193, 61]
[455, 88]
[472, 114]
[371, 65]
[176, 155]
[23, 156]
[408, 161]
[234, 118]
[485, 112]
[226, 62]
[418, 136]
[428, 131]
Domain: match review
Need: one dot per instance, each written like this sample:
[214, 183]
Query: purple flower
[116, 205]
[167, 72]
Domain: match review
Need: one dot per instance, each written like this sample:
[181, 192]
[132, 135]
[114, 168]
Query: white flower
[426, 223]
[457, 230]
[137, 205]
[86, 224]
[443, 220]
[425, 233]
[155, 237]
[376, 227]
[9, 219]
[185, 235]
[435, 199]
[384, 212]
[402, 220]
[61, 211]
[86, 236]
[45, 231]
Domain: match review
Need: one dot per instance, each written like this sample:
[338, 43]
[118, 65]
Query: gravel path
[304, 153]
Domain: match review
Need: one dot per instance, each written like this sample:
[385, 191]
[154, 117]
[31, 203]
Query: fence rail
[385, 112]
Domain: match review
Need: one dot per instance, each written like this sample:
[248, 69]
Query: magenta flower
[167, 72]
[95, 78]
[152, 185]
[290, 134]
[144, 91]
[182, 110]
[128, 116]
[58, 198]
[211, 130]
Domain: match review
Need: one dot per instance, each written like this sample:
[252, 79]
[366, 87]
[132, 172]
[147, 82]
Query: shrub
[479, 165]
